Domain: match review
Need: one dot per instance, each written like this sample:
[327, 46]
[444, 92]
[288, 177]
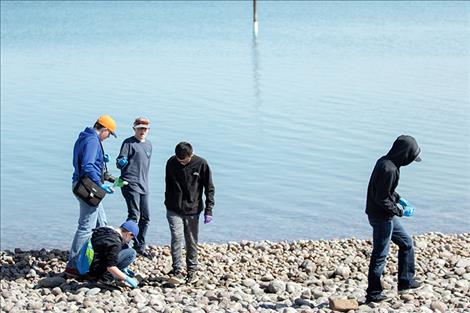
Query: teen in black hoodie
[383, 212]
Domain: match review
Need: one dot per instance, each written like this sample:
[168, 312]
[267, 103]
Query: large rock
[277, 286]
[342, 271]
[438, 306]
[343, 305]
[308, 266]
[293, 287]
[463, 262]
[51, 282]
[249, 282]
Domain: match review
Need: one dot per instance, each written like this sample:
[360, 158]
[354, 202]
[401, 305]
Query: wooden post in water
[255, 19]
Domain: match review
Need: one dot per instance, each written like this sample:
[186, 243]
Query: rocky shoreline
[300, 276]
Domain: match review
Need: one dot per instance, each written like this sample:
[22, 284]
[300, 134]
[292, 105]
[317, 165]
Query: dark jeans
[187, 225]
[138, 211]
[383, 232]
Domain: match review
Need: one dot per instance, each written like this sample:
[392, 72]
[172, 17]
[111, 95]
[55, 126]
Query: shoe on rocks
[176, 278]
[378, 298]
[191, 278]
[412, 285]
[144, 253]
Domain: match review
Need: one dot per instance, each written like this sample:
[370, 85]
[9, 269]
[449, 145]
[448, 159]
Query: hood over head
[404, 150]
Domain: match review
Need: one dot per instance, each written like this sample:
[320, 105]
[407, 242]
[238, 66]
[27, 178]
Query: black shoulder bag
[88, 191]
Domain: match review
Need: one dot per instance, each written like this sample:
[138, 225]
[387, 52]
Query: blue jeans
[90, 218]
[138, 211]
[125, 258]
[187, 226]
[385, 231]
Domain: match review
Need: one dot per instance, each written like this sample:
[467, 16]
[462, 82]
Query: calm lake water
[291, 122]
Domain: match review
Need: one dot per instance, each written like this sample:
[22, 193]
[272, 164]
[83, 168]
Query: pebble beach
[300, 276]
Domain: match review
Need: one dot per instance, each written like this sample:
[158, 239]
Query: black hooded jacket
[382, 198]
[107, 243]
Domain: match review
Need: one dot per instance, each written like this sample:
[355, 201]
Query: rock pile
[301, 276]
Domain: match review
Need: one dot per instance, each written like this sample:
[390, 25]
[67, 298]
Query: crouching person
[112, 254]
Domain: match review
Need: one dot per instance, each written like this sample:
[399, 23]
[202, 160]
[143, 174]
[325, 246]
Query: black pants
[138, 211]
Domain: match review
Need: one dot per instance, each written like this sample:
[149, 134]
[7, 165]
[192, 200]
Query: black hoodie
[107, 243]
[381, 196]
[185, 185]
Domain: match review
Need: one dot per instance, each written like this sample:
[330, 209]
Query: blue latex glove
[128, 272]
[408, 210]
[207, 219]
[403, 202]
[122, 162]
[131, 282]
[107, 188]
[106, 158]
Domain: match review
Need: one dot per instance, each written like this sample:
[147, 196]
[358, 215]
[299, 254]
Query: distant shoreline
[297, 276]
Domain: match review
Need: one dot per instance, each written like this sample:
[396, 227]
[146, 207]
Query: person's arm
[383, 195]
[90, 152]
[209, 190]
[123, 158]
[117, 273]
[111, 262]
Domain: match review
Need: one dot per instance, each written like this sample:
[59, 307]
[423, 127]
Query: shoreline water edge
[299, 276]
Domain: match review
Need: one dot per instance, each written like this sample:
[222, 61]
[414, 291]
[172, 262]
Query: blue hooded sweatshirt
[88, 156]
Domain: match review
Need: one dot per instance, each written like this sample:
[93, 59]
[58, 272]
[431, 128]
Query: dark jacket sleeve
[384, 196]
[209, 190]
[90, 152]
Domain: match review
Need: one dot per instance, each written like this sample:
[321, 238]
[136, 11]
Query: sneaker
[413, 285]
[176, 278]
[378, 298]
[191, 278]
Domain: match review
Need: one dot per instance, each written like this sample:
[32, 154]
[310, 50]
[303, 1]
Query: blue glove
[107, 188]
[207, 219]
[122, 162]
[128, 272]
[403, 202]
[106, 158]
[408, 210]
[131, 282]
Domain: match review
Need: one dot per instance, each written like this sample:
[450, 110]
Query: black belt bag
[88, 191]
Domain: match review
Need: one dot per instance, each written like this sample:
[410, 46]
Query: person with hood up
[383, 214]
[89, 160]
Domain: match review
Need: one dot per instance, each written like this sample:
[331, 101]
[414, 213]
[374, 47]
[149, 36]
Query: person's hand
[408, 210]
[207, 219]
[107, 188]
[131, 282]
[122, 162]
[128, 272]
[106, 158]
